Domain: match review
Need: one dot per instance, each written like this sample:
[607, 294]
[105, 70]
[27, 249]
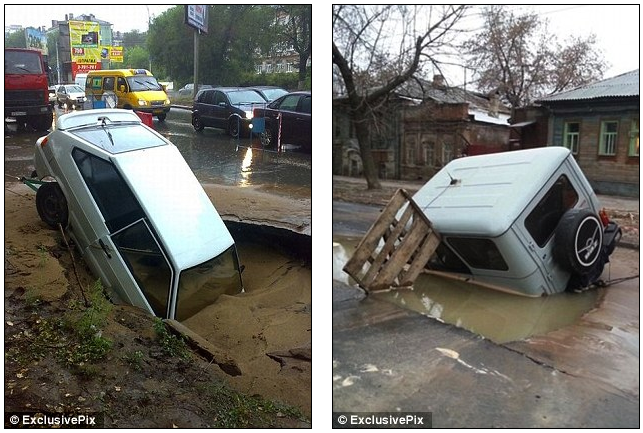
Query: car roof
[484, 194]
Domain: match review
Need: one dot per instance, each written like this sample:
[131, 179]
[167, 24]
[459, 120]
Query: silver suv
[136, 212]
[526, 222]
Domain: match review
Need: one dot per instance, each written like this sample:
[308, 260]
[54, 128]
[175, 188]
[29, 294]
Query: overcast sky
[124, 17]
[616, 28]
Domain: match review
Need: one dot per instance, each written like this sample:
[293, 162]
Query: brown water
[498, 316]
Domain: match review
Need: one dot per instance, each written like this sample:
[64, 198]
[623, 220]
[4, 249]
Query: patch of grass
[171, 344]
[44, 254]
[32, 298]
[134, 359]
[74, 339]
[235, 410]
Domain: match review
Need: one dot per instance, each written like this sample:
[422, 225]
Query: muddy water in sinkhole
[498, 316]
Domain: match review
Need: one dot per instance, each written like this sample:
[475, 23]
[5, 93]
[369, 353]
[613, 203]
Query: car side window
[121, 82]
[114, 198]
[147, 263]
[306, 105]
[289, 103]
[479, 253]
[219, 98]
[543, 219]
[108, 83]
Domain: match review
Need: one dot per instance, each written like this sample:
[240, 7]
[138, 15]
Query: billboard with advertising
[85, 47]
[36, 40]
[116, 54]
[197, 16]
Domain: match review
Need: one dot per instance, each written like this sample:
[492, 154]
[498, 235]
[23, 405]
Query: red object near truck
[26, 88]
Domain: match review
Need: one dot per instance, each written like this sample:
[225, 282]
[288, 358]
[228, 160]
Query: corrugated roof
[624, 85]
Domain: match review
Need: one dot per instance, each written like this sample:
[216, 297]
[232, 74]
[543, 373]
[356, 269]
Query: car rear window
[117, 139]
[543, 219]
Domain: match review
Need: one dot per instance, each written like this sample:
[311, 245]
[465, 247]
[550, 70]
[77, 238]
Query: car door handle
[104, 247]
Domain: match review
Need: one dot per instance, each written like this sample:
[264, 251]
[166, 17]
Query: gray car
[136, 212]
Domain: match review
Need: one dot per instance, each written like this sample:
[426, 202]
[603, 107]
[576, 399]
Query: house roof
[624, 85]
[422, 90]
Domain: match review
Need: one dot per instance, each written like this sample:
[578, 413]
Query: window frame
[634, 139]
[606, 136]
[574, 147]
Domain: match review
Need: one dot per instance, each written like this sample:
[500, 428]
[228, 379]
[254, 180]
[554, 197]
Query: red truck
[26, 94]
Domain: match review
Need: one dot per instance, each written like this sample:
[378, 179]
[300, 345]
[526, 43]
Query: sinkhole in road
[267, 329]
[497, 316]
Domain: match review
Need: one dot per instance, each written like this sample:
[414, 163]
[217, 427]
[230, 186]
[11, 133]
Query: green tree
[516, 56]
[227, 53]
[296, 32]
[15, 39]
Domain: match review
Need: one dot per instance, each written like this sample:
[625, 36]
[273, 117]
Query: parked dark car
[270, 93]
[288, 121]
[229, 108]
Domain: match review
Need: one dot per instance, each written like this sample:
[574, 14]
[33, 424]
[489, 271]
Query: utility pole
[195, 89]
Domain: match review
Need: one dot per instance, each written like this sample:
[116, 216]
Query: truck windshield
[201, 285]
[140, 83]
[22, 62]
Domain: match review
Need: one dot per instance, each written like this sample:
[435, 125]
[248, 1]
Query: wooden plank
[394, 252]
[384, 254]
[371, 240]
[427, 250]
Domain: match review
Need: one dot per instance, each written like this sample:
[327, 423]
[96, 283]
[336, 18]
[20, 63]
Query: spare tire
[52, 205]
[578, 241]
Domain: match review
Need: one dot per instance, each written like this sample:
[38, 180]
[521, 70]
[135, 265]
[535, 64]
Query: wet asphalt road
[213, 156]
[386, 358]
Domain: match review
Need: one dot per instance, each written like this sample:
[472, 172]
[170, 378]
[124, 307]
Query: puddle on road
[498, 316]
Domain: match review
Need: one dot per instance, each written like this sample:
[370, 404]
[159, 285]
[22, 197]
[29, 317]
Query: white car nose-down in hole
[136, 212]
[526, 222]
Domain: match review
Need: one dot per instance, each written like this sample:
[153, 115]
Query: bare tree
[516, 56]
[377, 48]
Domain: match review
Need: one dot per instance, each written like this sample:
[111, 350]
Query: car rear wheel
[267, 138]
[578, 241]
[52, 205]
[197, 123]
[233, 127]
[161, 117]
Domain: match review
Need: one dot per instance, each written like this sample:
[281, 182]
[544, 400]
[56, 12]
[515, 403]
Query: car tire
[234, 126]
[578, 241]
[268, 140]
[161, 117]
[52, 205]
[197, 123]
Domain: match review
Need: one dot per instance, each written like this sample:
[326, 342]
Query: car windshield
[245, 97]
[272, 94]
[201, 285]
[74, 89]
[120, 138]
[22, 62]
[139, 83]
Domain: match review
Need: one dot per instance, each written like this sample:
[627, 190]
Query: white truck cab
[526, 222]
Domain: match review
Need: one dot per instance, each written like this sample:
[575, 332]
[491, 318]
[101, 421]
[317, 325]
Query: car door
[205, 106]
[220, 109]
[124, 248]
[295, 123]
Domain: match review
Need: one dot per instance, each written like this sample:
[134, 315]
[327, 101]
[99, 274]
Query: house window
[572, 136]
[608, 138]
[447, 153]
[634, 138]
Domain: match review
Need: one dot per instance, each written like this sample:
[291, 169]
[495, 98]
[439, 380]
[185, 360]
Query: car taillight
[44, 141]
[605, 220]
